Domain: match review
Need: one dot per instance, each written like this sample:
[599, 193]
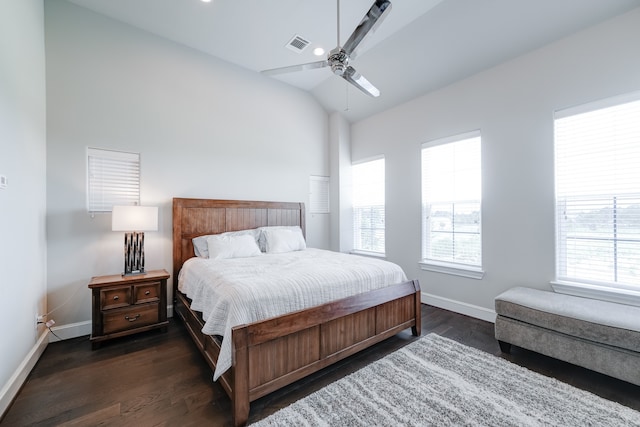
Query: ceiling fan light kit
[338, 59]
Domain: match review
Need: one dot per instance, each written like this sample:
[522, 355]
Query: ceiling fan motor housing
[339, 61]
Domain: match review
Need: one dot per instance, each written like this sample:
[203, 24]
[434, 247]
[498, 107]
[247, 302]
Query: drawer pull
[147, 292]
[116, 298]
[132, 319]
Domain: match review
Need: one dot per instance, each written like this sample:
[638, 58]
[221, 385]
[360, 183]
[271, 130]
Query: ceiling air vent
[297, 44]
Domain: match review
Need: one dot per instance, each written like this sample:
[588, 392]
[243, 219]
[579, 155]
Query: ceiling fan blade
[292, 68]
[368, 25]
[358, 80]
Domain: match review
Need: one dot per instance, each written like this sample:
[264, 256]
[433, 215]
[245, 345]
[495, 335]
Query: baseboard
[12, 387]
[459, 307]
[71, 330]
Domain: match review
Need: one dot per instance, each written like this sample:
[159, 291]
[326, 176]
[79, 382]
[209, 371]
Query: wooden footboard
[273, 353]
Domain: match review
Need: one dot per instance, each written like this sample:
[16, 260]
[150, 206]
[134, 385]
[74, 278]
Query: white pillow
[281, 240]
[200, 246]
[222, 246]
[262, 241]
[200, 243]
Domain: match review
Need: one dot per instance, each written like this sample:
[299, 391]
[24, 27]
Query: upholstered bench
[598, 335]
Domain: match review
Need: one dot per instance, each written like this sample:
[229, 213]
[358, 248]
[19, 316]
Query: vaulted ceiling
[420, 46]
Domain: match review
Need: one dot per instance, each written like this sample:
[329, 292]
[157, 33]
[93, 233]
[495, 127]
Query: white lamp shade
[134, 218]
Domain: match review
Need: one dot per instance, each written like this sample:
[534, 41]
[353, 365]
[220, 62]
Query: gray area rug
[437, 381]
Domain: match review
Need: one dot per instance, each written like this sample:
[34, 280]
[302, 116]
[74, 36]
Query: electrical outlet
[40, 320]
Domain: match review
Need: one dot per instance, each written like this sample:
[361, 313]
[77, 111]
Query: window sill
[453, 269]
[369, 254]
[601, 292]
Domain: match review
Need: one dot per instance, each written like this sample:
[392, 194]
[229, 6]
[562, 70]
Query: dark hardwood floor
[160, 379]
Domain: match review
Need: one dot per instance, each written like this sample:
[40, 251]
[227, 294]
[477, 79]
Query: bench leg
[505, 347]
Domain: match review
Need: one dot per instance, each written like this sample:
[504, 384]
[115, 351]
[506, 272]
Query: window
[113, 178]
[451, 195]
[597, 160]
[368, 206]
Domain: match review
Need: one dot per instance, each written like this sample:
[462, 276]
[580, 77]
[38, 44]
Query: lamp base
[133, 253]
[134, 273]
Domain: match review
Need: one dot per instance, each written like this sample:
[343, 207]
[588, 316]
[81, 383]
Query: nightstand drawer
[146, 292]
[115, 297]
[129, 318]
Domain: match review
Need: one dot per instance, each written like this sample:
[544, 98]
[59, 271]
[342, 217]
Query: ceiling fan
[338, 59]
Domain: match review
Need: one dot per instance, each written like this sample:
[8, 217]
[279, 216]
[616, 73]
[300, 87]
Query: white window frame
[356, 229]
[473, 271]
[578, 284]
[113, 178]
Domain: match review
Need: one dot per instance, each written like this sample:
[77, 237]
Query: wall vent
[297, 44]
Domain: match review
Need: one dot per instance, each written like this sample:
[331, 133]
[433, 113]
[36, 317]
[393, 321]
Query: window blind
[451, 195]
[368, 179]
[318, 194]
[113, 178]
[597, 160]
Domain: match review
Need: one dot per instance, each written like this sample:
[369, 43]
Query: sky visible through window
[451, 171]
[595, 151]
[368, 183]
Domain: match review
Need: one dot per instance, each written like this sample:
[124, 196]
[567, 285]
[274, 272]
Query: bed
[269, 354]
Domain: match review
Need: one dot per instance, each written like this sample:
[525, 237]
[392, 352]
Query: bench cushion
[604, 322]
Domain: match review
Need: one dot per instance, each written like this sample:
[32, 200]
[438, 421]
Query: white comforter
[232, 292]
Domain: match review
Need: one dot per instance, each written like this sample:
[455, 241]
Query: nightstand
[124, 305]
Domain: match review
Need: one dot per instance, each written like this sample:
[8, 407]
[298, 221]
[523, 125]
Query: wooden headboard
[197, 217]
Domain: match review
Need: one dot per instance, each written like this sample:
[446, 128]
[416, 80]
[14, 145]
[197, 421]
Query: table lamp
[135, 220]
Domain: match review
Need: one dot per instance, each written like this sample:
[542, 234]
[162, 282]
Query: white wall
[512, 104]
[22, 203]
[204, 128]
